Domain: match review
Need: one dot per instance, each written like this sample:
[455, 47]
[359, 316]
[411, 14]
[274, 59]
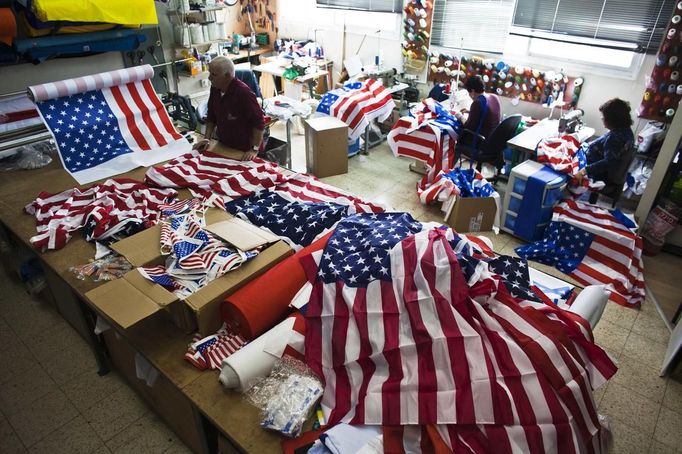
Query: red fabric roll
[263, 302]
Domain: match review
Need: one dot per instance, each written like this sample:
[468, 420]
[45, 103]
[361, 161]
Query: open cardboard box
[133, 298]
[470, 214]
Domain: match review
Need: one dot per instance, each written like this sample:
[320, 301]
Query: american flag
[357, 104]
[429, 134]
[196, 256]
[110, 130]
[298, 223]
[209, 352]
[105, 209]
[206, 174]
[593, 246]
[402, 335]
[457, 182]
[565, 155]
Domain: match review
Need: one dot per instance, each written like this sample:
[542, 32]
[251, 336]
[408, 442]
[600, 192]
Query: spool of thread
[196, 33]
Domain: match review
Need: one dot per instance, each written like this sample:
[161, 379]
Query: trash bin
[275, 151]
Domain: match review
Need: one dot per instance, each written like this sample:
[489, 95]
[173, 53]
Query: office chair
[616, 177]
[489, 149]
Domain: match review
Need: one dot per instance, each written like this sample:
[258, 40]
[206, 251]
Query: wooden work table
[162, 344]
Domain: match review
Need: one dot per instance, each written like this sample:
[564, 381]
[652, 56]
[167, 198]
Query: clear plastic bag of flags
[638, 176]
[27, 157]
[286, 397]
[108, 268]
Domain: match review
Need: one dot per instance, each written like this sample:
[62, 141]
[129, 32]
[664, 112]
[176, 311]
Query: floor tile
[669, 427]
[66, 365]
[15, 359]
[673, 395]
[89, 388]
[618, 315]
[636, 411]
[628, 439]
[113, 414]
[32, 319]
[60, 337]
[42, 416]
[646, 351]
[651, 327]
[25, 388]
[148, 434]
[7, 335]
[178, 448]
[9, 440]
[75, 437]
[610, 336]
[659, 448]
[640, 378]
[599, 393]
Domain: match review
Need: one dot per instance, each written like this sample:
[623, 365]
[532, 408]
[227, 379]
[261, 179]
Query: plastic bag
[286, 397]
[652, 132]
[111, 267]
[31, 156]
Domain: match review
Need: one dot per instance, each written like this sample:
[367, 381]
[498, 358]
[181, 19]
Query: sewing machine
[387, 76]
[571, 121]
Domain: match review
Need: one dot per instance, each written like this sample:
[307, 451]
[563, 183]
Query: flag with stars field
[109, 123]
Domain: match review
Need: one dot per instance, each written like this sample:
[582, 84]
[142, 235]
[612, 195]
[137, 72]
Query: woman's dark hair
[474, 83]
[616, 113]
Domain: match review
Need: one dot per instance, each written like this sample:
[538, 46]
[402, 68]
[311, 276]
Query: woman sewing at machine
[606, 152]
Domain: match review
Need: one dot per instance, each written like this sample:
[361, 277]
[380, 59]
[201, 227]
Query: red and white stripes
[359, 107]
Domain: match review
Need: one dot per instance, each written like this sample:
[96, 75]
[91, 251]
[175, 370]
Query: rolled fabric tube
[83, 84]
[590, 303]
[8, 26]
[263, 302]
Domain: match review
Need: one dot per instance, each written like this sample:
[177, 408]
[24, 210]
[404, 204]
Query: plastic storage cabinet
[513, 207]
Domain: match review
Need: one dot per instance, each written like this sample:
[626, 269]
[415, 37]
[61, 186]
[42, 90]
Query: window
[385, 6]
[475, 25]
[632, 25]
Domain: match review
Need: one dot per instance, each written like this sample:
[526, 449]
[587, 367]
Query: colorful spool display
[663, 91]
[528, 84]
[416, 34]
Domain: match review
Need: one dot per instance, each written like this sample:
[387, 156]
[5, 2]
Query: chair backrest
[249, 78]
[497, 141]
[618, 173]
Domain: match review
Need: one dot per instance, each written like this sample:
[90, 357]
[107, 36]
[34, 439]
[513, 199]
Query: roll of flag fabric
[110, 11]
[108, 123]
[257, 358]
[8, 26]
[263, 302]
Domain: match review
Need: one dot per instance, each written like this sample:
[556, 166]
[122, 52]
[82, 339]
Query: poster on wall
[522, 82]
[663, 91]
[416, 35]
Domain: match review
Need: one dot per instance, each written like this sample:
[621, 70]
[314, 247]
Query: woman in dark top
[484, 113]
[607, 151]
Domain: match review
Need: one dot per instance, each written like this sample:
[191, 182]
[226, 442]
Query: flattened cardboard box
[471, 214]
[133, 298]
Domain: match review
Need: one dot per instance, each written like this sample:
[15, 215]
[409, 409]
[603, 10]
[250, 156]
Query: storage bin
[353, 147]
[276, 151]
[510, 220]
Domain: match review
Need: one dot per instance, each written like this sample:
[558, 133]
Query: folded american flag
[565, 155]
[429, 134]
[298, 223]
[593, 246]
[404, 333]
[106, 210]
[209, 352]
[358, 103]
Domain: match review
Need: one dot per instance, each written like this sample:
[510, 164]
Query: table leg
[288, 127]
[366, 147]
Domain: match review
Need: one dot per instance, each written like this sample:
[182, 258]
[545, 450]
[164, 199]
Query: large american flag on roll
[357, 104]
[429, 134]
[108, 123]
[403, 335]
[593, 246]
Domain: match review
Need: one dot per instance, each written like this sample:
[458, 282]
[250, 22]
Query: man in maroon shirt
[233, 111]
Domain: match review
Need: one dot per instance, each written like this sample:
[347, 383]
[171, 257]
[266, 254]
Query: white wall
[18, 77]
[300, 18]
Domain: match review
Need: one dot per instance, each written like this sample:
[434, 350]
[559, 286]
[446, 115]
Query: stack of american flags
[357, 104]
[429, 134]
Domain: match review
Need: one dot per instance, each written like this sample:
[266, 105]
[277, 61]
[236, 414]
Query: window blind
[478, 25]
[638, 22]
[387, 6]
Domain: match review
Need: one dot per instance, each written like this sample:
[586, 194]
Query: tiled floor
[52, 400]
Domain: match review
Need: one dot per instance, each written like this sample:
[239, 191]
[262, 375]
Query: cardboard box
[326, 146]
[163, 396]
[470, 214]
[133, 298]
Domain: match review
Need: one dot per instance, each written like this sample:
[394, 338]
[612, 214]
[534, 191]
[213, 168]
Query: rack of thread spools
[416, 34]
[522, 82]
[197, 24]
